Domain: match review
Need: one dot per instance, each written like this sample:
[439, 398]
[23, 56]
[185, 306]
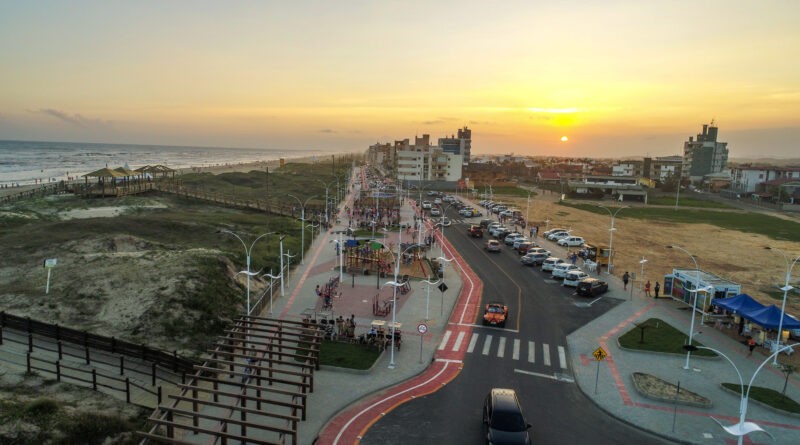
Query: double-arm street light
[611, 236]
[247, 251]
[302, 225]
[326, 185]
[694, 302]
[742, 428]
[395, 284]
[786, 288]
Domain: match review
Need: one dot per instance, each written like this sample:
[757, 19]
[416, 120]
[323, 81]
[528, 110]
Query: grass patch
[511, 191]
[768, 396]
[687, 202]
[748, 222]
[659, 336]
[348, 355]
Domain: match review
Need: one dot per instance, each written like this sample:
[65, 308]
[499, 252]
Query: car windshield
[495, 310]
[508, 422]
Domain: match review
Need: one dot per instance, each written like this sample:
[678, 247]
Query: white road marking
[459, 339]
[487, 344]
[445, 340]
[558, 378]
[531, 352]
[472, 342]
[562, 357]
[501, 348]
[546, 354]
[515, 354]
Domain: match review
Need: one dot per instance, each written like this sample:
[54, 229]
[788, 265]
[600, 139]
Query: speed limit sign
[422, 328]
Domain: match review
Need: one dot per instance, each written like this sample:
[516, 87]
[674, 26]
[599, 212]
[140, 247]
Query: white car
[437, 201]
[435, 212]
[520, 240]
[511, 237]
[539, 250]
[560, 270]
[571, 241]
[426, 204]
[573, 277]
[497, 229]
[557, 236]
[552, 231]
[550, 263]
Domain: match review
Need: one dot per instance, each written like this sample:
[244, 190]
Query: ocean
[28, 162]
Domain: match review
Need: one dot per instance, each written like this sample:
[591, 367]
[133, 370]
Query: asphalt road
[541, 311]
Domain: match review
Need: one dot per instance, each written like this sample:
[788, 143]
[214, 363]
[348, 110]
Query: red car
[475, 231]
[495, 314]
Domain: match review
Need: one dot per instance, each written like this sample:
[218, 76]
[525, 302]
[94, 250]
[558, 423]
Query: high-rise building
[465, 134]
[705, 155]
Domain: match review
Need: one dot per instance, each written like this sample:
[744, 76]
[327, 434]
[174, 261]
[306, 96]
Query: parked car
[426, 205]
[502, 415]
[533, 259]
[495, 314]
[573, 277]
[522, 247]
[493, 245]
[571, 241]
[560, 270]
[485, 223]
[590, 287]
[475, 231]
[549, 263]
[511, 237]
[541, 250]
[547, 233]
[495, 230]
[555, 236]
[520, 240]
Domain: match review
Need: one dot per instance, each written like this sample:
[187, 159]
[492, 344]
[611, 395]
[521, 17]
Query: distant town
[702, 167]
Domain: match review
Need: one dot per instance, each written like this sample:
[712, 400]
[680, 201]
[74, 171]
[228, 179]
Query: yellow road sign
[599, 354]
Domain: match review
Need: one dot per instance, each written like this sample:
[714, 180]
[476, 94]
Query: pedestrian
[625, 278]
[657, 288]
[751, 344]
[647, 288]
[531, 232]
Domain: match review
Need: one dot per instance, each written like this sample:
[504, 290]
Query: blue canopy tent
[741, 304]
[770, 317]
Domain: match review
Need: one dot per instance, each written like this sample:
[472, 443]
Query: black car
[485, 223]
[503, 418]
[590, 287]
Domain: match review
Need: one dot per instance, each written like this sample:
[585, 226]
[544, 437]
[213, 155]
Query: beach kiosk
[681, 284]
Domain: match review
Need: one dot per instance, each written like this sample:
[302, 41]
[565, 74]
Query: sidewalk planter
[654, 388]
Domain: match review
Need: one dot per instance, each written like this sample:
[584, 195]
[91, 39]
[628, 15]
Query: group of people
[626, 278]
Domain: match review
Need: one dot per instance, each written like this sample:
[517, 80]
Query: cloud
[75, 119]
[439, 120]
[327, 130]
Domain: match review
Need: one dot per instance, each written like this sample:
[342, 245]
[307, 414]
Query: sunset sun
[564, 139]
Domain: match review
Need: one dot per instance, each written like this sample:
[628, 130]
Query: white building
[745, 178]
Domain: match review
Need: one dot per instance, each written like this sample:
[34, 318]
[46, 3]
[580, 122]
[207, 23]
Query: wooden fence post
[121, 365]
[58, 370]
[30, 342]
[60, 350]
[94, 379]
[29, 361]
[88, 360]
[154, 374]
[127, 389]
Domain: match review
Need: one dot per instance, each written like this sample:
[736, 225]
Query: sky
[617, 78]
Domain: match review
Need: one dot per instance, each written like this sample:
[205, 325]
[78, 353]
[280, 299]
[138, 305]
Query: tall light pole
[641, 282]
[271, 280]
[611, 237]
[527, 209]
[302, 225]
[247, 251]
[786, 288]
[742, 428]
[441, 310]
[326, 185]
[281, 254]
[428, 296]
[694, 302]
[395, 284]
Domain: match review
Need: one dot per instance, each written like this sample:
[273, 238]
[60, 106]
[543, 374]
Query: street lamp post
[694, 302]
[326, 185]
[611, 237]
[281, 254]
[441, 309]
[641, 282]
[302, 225]
[247, 251]
[742, 428]
[289, 257]
[428, 296]
[527, 210]
[271, 281]
[786, 288]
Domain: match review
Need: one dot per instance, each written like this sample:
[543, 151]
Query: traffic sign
[442, 287]
[599, 354]
[50, 262]
[422, 328]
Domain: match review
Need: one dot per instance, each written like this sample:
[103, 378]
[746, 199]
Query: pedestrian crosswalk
[504, 347]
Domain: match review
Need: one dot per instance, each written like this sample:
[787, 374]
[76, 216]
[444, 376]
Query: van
[502, 415]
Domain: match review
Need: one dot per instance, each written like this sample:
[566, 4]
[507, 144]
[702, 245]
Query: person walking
[656, 289]
[625, 278]
[751, 344]
[647, 288]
